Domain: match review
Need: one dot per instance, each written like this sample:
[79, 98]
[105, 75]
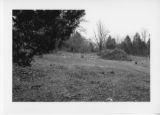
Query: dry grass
[68, 77]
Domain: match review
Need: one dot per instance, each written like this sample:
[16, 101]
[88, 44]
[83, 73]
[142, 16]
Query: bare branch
[144, 34]
[101, 35]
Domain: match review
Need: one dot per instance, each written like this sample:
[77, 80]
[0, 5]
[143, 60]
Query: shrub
[115, 54]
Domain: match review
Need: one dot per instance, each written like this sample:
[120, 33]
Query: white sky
[121, 17]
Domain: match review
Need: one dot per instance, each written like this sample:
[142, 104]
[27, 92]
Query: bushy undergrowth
[114, 54]
[78, 43]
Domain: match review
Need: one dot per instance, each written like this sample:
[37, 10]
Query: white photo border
[74, 107]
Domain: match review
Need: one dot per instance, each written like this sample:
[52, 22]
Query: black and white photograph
[81, 55]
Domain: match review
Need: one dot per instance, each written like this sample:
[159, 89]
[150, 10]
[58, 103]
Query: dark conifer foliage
[41, 31]
[148, 47]
[127, 46]
[136, 47]
[110, 43]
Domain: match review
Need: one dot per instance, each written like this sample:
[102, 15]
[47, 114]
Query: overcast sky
[121, 17]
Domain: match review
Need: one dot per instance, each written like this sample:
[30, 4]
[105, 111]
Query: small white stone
[109, 99]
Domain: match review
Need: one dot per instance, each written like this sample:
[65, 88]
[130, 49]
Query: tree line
[37, 32]
[138, 46]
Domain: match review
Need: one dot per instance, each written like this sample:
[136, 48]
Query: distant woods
[102, 40]
[78, 43]
[137, 46]
[36, 32]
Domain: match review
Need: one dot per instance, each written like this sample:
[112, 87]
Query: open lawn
[82, 77]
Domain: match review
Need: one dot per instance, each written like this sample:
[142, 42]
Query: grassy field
[82, 77]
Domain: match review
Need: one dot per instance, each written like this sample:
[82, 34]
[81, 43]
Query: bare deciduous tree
[144, 34]
[101, 35]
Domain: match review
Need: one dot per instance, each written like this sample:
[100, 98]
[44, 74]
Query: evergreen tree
[126, 45]
[137, 44]
[148, 47]
[110, 43]
[41, 31]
